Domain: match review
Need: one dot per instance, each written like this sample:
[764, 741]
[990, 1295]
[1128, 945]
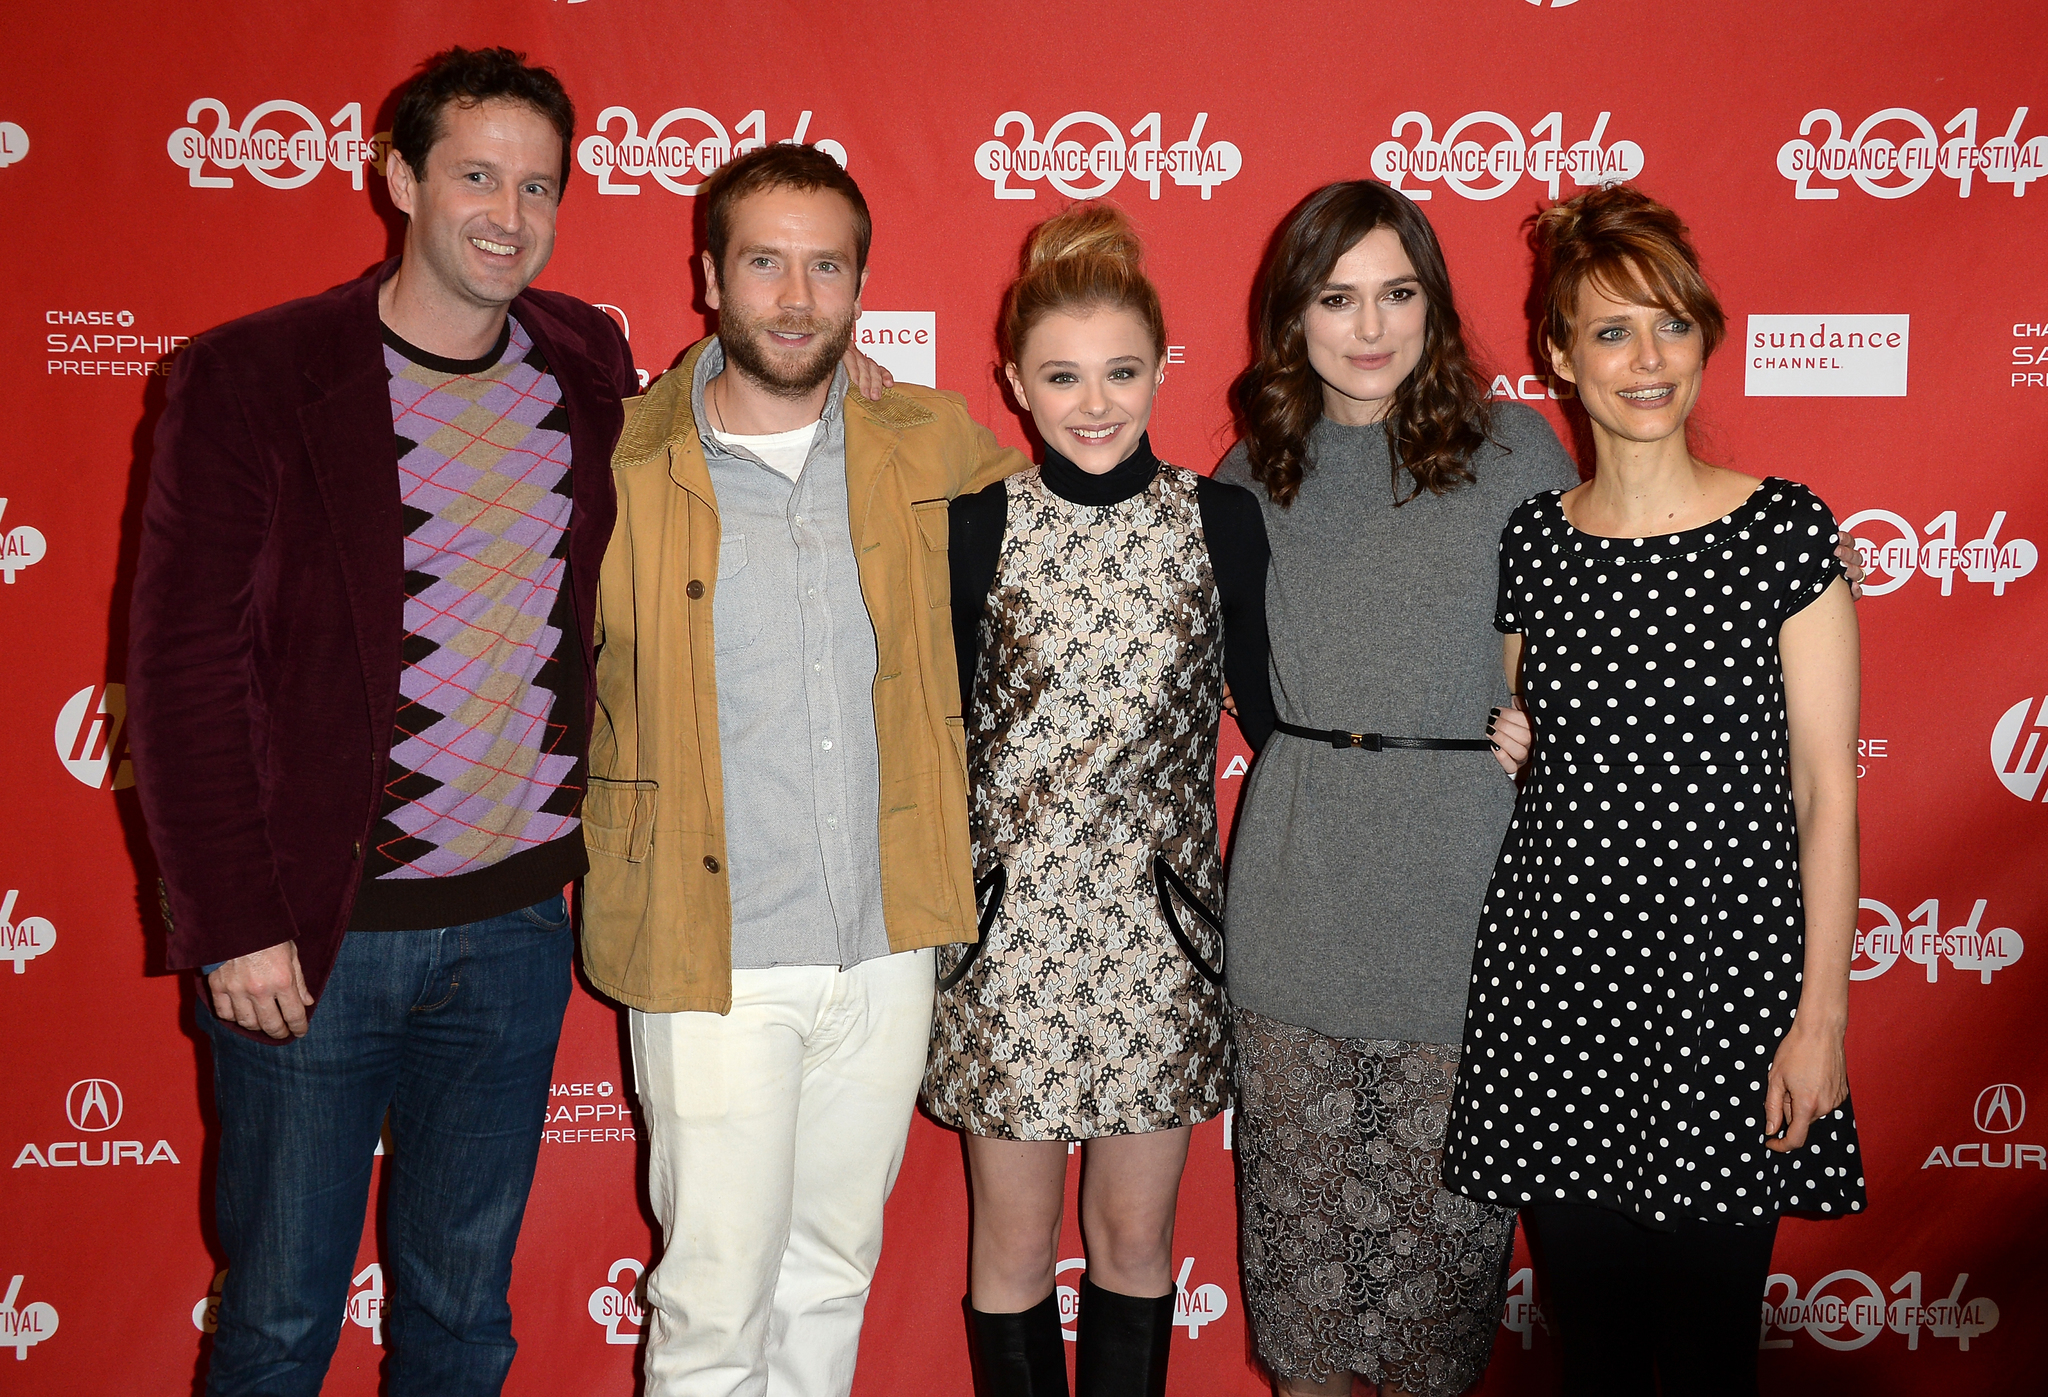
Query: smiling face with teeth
[1088, 379]
[787, 297]
[480, 217]
[1638, 368]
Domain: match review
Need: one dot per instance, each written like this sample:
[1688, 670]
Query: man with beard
[777, 814]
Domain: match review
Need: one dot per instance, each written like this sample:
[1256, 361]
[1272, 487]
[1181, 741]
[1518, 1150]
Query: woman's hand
[1851, 554]
[1809, 1078]
[1229, 700]
[1511, 735]
[869, 377]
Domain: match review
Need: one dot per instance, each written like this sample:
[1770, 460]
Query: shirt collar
[711, 363]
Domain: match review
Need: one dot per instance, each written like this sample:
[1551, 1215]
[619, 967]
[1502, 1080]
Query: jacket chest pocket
[932, 524]
[735, 616]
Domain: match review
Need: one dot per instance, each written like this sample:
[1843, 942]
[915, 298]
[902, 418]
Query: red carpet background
[1868, 187]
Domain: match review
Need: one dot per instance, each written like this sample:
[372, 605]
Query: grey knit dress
[1356, 882]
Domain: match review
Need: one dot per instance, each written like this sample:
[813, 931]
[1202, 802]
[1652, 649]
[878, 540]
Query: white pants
[775, 1134]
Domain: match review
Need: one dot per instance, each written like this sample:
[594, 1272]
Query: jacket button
[359, 848]
[710, 864]
[695, 589]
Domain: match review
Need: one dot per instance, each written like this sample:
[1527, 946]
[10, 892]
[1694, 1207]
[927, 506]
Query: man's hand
[1508, 729]
[263, 991]
[869, 377]
[1852, 564]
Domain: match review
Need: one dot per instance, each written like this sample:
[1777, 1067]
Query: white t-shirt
[784, 452]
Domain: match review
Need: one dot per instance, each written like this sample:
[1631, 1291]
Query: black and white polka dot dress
[1641, 946]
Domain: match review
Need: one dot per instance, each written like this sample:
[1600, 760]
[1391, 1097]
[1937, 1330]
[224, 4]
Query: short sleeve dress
[1641, 947]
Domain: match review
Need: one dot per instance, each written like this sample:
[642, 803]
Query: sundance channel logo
[905, 342]
[1826, 356]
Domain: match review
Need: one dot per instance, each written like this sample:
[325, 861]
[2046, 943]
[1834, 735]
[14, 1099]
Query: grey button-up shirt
[795, 660]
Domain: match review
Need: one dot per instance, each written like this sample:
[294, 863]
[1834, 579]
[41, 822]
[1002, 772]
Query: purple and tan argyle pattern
[480, 765]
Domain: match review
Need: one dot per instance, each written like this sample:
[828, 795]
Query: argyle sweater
[483, 792]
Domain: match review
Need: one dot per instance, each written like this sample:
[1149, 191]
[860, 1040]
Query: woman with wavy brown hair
[1370, 825]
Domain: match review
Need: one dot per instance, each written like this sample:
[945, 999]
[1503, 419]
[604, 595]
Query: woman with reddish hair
[1653, 1052]
[1368, 829]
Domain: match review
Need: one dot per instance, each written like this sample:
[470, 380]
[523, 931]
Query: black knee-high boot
[1122, 1344]
[1020, 1355]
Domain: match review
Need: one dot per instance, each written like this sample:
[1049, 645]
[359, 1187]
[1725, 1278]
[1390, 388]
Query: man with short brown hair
[359, 691]
[777, 816]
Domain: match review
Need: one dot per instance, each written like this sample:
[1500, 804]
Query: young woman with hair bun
[1368, 828]
[1653, 1054]
[1099, 602]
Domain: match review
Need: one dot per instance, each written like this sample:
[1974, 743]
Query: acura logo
[95, 1104]
[2000, 1109]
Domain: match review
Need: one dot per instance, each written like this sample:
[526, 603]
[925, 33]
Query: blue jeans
[452, 1032]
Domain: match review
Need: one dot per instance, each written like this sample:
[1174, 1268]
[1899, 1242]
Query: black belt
[1375, 742]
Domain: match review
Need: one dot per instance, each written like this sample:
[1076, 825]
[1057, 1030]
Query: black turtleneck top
[1232, 525]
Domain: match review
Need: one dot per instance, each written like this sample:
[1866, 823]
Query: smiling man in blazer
[360, 686]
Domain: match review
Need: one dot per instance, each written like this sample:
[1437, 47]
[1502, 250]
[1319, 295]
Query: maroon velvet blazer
[263, 653]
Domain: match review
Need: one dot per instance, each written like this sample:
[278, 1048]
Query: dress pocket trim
[1170, 885]
[988, 895]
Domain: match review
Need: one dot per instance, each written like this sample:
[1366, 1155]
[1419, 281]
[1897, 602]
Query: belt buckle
[1364, 741]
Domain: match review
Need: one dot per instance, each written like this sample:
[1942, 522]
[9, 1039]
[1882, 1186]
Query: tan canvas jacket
[657, 914]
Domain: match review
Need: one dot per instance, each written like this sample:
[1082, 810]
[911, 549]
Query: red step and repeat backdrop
[1868, 187]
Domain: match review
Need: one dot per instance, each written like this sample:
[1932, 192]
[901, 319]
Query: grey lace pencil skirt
[1356, 1258]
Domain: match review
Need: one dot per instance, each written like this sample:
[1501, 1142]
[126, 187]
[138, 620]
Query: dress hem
[1637, 1214]
[1095, 1132]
